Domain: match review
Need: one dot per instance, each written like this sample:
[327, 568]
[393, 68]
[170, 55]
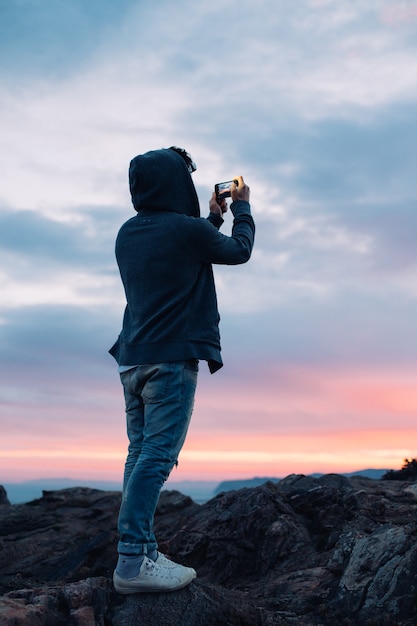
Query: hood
[160, 180]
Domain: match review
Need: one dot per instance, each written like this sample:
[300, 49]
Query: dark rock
[239, 535]
[3, 496]
[302, 552]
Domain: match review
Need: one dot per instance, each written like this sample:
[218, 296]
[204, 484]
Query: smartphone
[224, 190]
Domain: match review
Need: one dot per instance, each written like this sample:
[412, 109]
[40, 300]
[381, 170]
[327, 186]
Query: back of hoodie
[164, 255]
[160, 180]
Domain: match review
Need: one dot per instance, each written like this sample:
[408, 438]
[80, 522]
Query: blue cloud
[54, 37]
[87, 243]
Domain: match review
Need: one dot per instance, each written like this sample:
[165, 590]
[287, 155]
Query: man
[165, 255]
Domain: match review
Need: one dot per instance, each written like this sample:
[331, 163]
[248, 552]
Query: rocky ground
[303, 552]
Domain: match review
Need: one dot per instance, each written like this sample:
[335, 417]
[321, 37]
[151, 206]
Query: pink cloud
[290, 398]
[279, 420]
[399, 13]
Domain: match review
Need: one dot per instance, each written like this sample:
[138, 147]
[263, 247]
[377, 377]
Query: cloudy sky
[314, 103]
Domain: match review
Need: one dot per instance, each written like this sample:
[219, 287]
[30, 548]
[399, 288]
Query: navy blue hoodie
[165, 255]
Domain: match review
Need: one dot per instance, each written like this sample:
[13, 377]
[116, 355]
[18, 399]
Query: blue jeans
[159, 402]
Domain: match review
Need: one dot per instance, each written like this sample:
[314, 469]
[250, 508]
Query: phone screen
[223, 190]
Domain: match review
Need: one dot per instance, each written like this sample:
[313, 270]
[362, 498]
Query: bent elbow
[244, 255]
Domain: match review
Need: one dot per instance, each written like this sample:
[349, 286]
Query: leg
[159, 403]
[134, 425]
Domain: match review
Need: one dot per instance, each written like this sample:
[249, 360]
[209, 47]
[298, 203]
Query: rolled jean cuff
[136, 548]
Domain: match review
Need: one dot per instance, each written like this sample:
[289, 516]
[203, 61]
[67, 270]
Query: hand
[215, 207]
[240, 191]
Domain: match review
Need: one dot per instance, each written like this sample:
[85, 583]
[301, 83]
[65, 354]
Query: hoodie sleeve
[216, 220]
[211, 246]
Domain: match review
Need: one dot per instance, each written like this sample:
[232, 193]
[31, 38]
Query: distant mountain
[375, 474]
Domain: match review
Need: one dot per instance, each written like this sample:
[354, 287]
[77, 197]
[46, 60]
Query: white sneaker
[154, 576]
[164, 560]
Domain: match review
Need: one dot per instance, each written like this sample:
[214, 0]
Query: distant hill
[375, 474]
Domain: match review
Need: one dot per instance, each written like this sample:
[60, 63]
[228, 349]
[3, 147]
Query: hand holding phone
[236, 189]
[240, 190]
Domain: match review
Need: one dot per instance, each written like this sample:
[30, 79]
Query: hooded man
[165, 255]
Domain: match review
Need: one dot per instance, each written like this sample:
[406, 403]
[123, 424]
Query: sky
[314, 102]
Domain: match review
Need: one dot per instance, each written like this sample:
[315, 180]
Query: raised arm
[214, 247]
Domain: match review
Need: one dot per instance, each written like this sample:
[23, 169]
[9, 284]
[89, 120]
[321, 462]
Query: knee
[157, 465]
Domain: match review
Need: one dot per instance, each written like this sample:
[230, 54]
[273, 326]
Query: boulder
[4, 500]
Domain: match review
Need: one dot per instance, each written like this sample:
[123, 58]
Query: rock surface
[3, 496]
[302, 552]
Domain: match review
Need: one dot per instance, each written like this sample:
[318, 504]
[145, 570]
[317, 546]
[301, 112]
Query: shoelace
[161, 571]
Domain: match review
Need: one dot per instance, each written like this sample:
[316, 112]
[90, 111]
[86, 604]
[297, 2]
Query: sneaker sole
[126, 588]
